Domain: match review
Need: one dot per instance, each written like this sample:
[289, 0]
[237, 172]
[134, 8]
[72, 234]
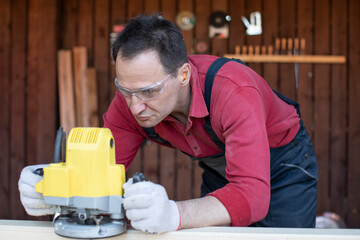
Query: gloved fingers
[146, 225]
[137, 214]
[145, 187]
[29, 177]
[128, 183]
[40, 211]
[29, 191]
[138, 201]
[29, 202]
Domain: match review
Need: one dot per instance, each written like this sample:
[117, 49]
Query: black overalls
[293, 169]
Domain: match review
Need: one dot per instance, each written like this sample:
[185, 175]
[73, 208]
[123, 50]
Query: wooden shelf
[327, 59]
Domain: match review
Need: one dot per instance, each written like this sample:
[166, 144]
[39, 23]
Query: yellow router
[87, 187]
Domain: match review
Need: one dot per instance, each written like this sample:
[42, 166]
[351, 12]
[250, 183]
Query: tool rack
[285, 51]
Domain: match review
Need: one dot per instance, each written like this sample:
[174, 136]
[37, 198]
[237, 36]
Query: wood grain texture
[256, 40]
[321, 102]
[305, 91]
[81, 86]
[93, 104]
[338, 110]
[5, 85]
[287, 29]
[18, 93]
[43, 230]
[102, 54]
[354, 116]
[41, 84]
[85, 28]
[66, 90]
[270, 24]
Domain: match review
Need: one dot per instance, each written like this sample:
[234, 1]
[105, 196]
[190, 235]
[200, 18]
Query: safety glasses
[146, 93]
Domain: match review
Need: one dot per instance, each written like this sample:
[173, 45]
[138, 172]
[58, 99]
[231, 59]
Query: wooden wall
[31, 31]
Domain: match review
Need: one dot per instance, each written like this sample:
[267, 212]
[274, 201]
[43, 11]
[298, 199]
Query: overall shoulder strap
[209, 81]
[150, 132]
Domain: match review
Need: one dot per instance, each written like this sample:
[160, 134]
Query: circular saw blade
[185, 20]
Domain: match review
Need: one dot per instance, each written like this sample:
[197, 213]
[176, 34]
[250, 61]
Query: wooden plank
[237, 27]
[187, 5]
[338, 109]
[136, 164]
[118, 16]
[151, 149]
[41, 94]
[183, 177]
[167, 170]
[256, 40]
[353, 219]
[93, 98]
[168, 167]
[102, 54]
[152, 7]
[18, 73]
[135, 7]
[287, 28]
[11, 229]
[305, 74]
[270, 32]
[183, 164]
[322, 104]
[81, 87]
[169, 9]
[66, 90]
[85, 23]
[151, 161]
[69, 31]
[219, 46]
[202, 13]
[324, 59]
[5, 87]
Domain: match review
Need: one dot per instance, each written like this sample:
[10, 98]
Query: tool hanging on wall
[185, 20]
[219, 25]
[201, 46]
[254, 26]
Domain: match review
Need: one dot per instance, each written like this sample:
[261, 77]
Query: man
[259, 145]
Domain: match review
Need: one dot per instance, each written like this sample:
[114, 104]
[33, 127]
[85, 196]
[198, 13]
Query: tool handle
[138, 177]
[39, 171]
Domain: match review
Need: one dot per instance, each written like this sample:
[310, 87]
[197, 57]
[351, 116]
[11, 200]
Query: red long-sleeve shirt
[245, 114]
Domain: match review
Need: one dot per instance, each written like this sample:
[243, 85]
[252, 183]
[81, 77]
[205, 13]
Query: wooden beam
[290, 58]
[14, 229]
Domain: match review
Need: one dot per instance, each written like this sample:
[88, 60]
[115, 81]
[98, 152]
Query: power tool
[86, 188]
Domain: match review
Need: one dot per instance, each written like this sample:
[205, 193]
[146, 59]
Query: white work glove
[149, 208]
[33, 201]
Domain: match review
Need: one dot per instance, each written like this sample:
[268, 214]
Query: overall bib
[293, 169]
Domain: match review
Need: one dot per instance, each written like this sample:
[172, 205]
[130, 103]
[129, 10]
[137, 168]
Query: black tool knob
[138, 177]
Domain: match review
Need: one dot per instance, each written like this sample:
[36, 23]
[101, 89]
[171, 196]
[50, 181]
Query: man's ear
[185, 74]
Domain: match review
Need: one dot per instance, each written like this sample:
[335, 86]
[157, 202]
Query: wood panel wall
[31, 32]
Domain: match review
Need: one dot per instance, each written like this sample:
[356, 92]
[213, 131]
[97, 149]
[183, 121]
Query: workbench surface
[16, 229]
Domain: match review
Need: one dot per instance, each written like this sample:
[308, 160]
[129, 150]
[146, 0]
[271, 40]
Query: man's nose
[136, 105]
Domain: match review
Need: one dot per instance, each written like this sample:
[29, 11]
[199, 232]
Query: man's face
[143, 78]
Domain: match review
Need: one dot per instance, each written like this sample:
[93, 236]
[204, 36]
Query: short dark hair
[146, 33]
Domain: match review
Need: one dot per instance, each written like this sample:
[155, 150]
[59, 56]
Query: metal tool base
[67, 227]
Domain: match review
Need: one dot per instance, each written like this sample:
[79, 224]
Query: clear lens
[147, 93]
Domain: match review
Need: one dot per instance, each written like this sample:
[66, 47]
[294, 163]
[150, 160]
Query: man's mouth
[143, 118]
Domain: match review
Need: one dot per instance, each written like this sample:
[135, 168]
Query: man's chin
[147, 123]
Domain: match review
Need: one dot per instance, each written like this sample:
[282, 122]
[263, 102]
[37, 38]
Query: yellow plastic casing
[90, 169]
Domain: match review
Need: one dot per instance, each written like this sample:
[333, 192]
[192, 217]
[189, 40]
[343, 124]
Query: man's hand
[149, 208]
[33, 201]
